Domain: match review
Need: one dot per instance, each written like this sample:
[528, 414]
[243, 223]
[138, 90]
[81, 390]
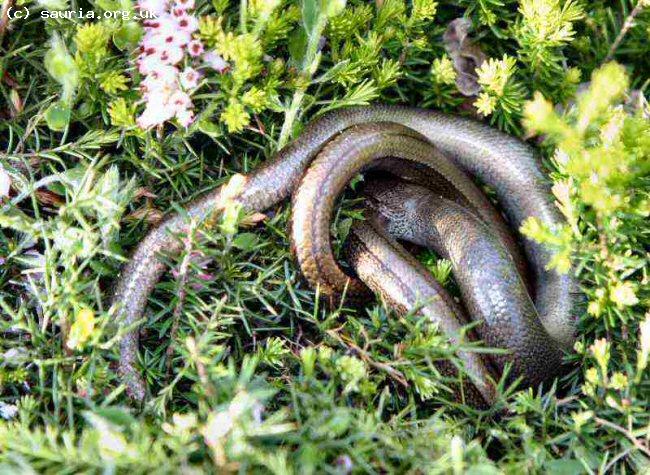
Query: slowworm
[443, 149]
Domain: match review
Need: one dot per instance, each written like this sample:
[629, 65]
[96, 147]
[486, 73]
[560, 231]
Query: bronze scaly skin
[493, 291]
[359, 149]
[471, 234]
[498, 160]
[404, 284]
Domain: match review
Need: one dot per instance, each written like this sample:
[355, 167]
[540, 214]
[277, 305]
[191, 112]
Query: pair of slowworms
[419, 168]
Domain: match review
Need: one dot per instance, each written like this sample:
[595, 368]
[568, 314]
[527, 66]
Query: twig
[636, 442]
[182, 294]
[629, 23]
[392, 372]
[309, 65]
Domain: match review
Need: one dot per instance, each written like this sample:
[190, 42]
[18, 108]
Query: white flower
[185, 117]
[218, 426]
[14, 356]
[161, 77]
[189, 78]
[5, 183]
[157, 91]
[166, 31]
[215, 61]
[182, 424]
[8, 411]
[623, 294]
[148, 64]
[155, 113]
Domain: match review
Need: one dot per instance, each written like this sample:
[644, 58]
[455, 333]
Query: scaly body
[502, 162]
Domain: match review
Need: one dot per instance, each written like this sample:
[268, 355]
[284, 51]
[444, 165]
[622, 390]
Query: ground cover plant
[248, 371]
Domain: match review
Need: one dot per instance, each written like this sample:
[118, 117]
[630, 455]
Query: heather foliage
[105, 124]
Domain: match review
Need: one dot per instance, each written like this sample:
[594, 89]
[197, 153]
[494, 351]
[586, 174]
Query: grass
[248, 371]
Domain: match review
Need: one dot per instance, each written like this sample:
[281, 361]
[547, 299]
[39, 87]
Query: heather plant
[105, 126]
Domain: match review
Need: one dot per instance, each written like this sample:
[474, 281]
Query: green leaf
[57, 116]
[245, 241]
[60, 64]
[116, 415]
[310, 13]
[333, 7]
[127, 36]
[109, 5]
[209, 128]
[298, 45]
[332, 72]
[564, 467]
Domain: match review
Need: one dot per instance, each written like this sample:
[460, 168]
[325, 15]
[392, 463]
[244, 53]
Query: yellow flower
[595, 308]
[538, 113]
[485, 103]
[92, 38]
[443, 71]
[622, 294]
[82, 329]
[122, 113]
[573, 75]
[114, 82]
[611, 131]
[591, 375]
[549, 21]
[255, 98]
[181, 425]
[580, 418]
[618, 381]
[263, 8]
[235, 116]
[494, 74]
[608, 84]
[600, 350]
[562, 192]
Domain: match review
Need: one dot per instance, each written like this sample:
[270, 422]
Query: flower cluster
[493, 76]
[168, 44]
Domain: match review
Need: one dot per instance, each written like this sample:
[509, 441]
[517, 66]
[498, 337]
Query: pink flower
[215, 61]
[187, 23]
[161, 81]
[189, 78]
[166, 41]
[165, 74]
[184, 4]
[171, 55]
[165, 31]
[179, 101]
[155, 7]
[195, 48]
